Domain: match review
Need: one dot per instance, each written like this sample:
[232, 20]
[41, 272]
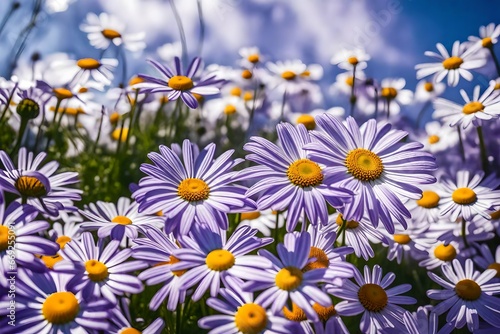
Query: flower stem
[464, 233]
[202, 27]
[15, 5]
[461, 143]
[20, 135]
[352, 99]
[495, 59]
[53, 125]
[421, 113]
[482, 148]
[99, 131]
[276, 227]
[181, 31]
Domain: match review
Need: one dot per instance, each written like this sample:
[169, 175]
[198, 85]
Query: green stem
[20, 135]
[15, 5]
[464, 233]
[376, 103]
[99, 131]
[388, 108]
[53, 125]
[352, 99]
[495, 60]
[178, 21]
[276, 227]
[482, 147]
[461, 143]
[421, 113]
[202, 27]
[342, 231]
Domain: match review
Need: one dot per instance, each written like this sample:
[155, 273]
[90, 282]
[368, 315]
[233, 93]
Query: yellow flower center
[68, 110]
[193, 190]
[402, 239]
[373, 297]
[429, 199]
[445, 253]
[50, 261]
[173, 260]
[248, 96]
[320, 262]
[180, 82]
[496, 266]
[135, 80]
[307, 120]
[236, 91]
[30, 186]
[452, 63]
[97, 270]
[220, 260]
[305, 173]
[305, 74]
[62, 93]
[349, 224]
[364, 165]
[464, 196]
[60, 308]
[122, 220]
[229, 109]
[130, 330]
[246, 74]
[110, 33]
[467, 289]
[288, 75]
[487, 42]
[88, 64]
[389, 93]
[323, 312]
[5, 232]
[349, 81]
[288, 278]
[253, 58]
[63, 240]
[472, 107]
[497, 86]
[296, 314]
[250, 318]
[114, 117]
[495, 215]
[433, 139]
[116, 134]
[250, 215]
[353, 60]
[429, 87]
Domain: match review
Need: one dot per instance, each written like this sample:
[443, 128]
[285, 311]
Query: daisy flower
[250, 56]
[472, 194]
[476, 110]
[403, 243]
[67, 229]
[288, 180]
[358, 234]
[44, 304]
[158, 249]
[308, 120]
[370, 295]
[426, 209]
[424, 321]
[372, 162]
[20, 241]
[38, 186]
[198, 188]
[179, 84]
[169, 51]
[287, 76]
[208, 258]
[454, 66]
[487, 261]
[105, 29]
[439, 253]
[329, 320]
[467, 295]
[428, 91]
[264, 221]
[348, 59]
[242, 314]
[121, 321]
[393, 96]
[79, 72]
[99, 271]
[118, 220]
[439, 138]
[287, 280]
[488, 36]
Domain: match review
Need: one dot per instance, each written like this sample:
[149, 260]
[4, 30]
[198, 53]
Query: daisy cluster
[220, 198]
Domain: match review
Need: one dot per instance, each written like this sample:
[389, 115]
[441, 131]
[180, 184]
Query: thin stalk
[421, 113]
[15, 5]
[376, 103]
[99, 131]
[52, 125]
[352, 99]
[464, 233]
[178, 319]
[388, 108]
[132, 122]
[20, 135]
[342, 231]
[283, 103]
[495, 60]
[461, 143]
[202, 27]
[482, 148]
[119, 144]
[181, 31]
[276, 228]
[124, 65]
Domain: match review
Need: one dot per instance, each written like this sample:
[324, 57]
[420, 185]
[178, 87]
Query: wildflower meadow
[233, 166]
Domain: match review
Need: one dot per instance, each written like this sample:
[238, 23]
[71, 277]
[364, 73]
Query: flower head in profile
[79, 72]
[467, 295]
[370, 294]
[393, 96]
[371, 161]
[179, 83]
[38, 186]
[348, 59]
[488, 36]
[209, 258]
[454, 66]
[288, 180]
[191, 186]
[105, 29]
[44, 304]
[475, 111]
[242, 314]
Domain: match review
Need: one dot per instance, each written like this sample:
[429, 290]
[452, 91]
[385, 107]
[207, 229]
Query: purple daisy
[158, 249]
[208, 258]
[370, 297]
[177, 84]
[44, 304]
[288, 180]
[39, 186]
[20, 242]
[99, 271]
[468, 295]
[196, 188]
[121, 321]
[373, 162]
[424, 321]
[288, 279]
[242, 314]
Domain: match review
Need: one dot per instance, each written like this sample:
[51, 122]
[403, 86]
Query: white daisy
[348, 59]
[438, 138]
[428, 91]
[79, 72]
[393, 96]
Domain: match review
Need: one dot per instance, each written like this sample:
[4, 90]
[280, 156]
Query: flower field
[161, 171]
